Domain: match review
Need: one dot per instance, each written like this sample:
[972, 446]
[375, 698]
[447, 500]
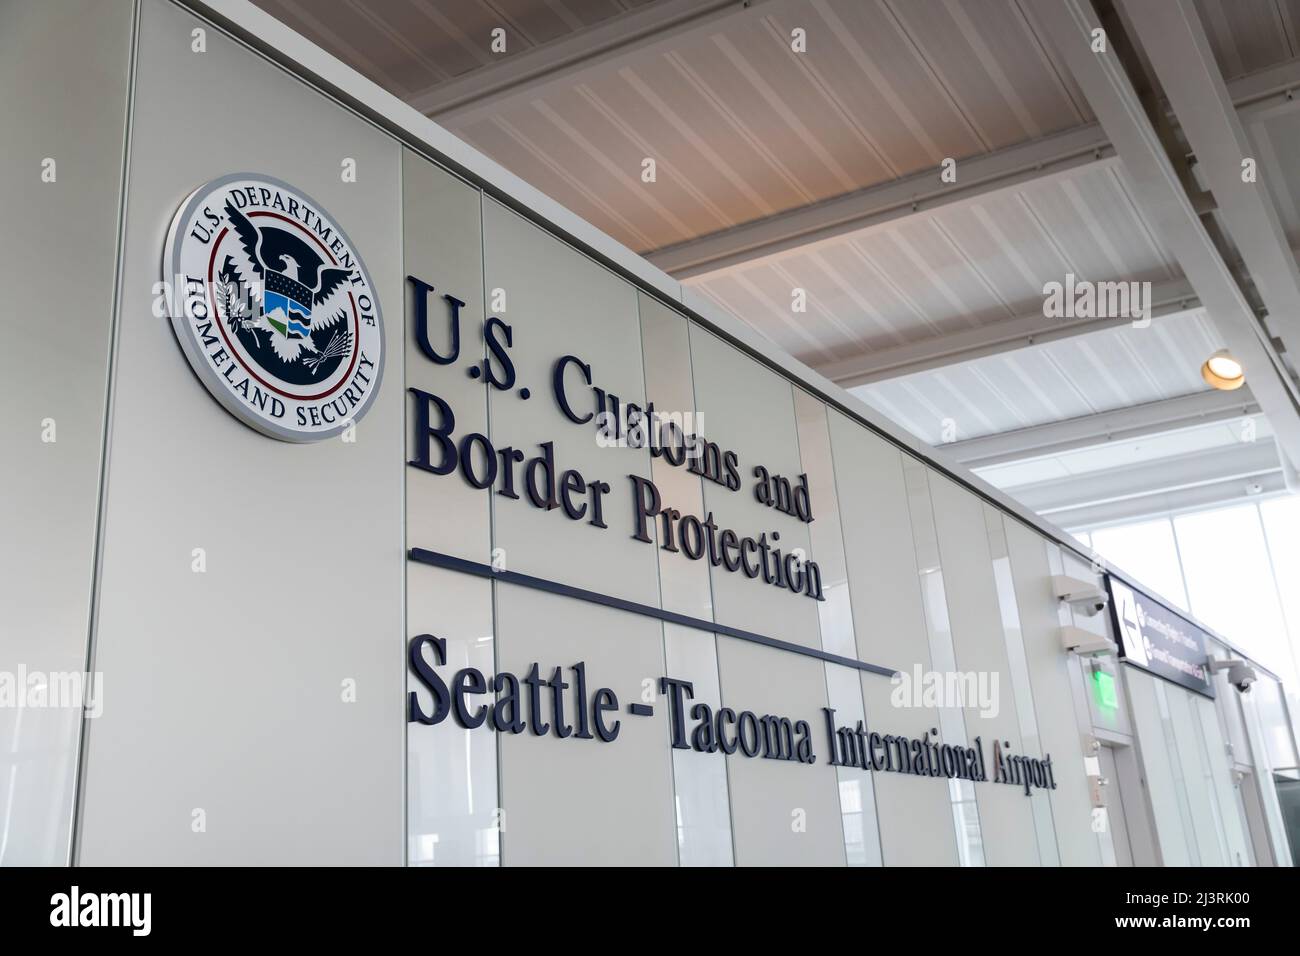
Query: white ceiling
[964, 265]
[1250, 35]
[1276, 136]
[1071, 378]
[1171, 444]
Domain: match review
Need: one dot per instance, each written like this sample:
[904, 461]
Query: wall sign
[537, 478]
[561, 702]
[1158, 639]
[274, 308]
[568, 703]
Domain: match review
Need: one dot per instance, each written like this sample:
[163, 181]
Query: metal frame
[920, 194]
[1059, 155]
[1172, 503]
[1054, 438]
[1180, 53]
[1159, 190]
[1169, 299]
[605, 46]
[1196, 469]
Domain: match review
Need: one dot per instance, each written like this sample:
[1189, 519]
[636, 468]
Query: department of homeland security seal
[274, 308]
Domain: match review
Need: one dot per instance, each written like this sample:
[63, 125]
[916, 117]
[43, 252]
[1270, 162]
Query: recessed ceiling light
[1222, 371]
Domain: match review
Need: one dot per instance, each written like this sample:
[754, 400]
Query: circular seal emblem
[274, 308]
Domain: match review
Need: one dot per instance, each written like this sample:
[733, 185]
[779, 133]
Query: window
[1147, 551]
[1230, 581]
[1281, 517]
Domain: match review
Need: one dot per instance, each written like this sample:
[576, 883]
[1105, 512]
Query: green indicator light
[1105, 689]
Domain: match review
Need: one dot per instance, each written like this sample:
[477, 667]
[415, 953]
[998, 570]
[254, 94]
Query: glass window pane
[1148, 551]
[1282, 532]
[1230, 581]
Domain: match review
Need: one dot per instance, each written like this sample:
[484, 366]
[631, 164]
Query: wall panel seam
[83, 744]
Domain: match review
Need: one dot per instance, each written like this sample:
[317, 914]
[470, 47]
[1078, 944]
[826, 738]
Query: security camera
[1090, 606]
[1083, 596]
[1240, 674]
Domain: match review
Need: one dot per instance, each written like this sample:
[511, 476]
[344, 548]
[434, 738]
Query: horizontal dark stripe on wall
[451, 563]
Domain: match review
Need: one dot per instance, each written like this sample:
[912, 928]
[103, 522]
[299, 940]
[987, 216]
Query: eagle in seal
[300, 293]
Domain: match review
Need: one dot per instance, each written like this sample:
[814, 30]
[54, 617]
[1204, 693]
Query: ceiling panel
[408, 46]
[354, 37]
[962, 266]
[1029, 472]
[991, 63]
[1164, 445]
[1093, 223]
[1178, 457]
[1276, 136]
[543, 22]
[740, 125]
[885, 89]
[1249, 35]
[1069, 378]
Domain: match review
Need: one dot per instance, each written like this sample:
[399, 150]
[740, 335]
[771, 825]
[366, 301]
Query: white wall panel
[559, 302]
[224, 688]
[1021, 684]
[756, 419]
[1006, 815]
[750, 409]
[783, 813]
[453, 800]
[889, 624]
[951, 725]
[701, 800]
[452, 788]
[1155, 755]
[1054, 689]
[57, 266]
[442, 232]
[570, 801]
[835, 619]
[612, 805]
[666, 351]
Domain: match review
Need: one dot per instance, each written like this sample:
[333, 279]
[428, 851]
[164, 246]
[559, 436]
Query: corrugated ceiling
[1066, 379]
[962, 266]
[1251, 35]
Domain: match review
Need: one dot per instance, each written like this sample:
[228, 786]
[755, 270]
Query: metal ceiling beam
[615, 42]
[1125, 424]
[1237, 463]
[920, 194]
[1068, 153]
[1127, 510]
[1179, 51]
[1267, 92]
[1170, 298]
[1165, 204]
